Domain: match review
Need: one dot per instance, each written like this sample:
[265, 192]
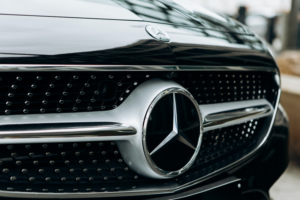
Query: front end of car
[139, 106]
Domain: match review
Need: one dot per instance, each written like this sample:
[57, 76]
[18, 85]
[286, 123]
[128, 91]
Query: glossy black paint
[161, 11]
[88, 9]
[192, 46]
[83, 38]
[43, 40]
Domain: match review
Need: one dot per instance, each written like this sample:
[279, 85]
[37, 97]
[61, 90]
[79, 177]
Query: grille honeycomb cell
[61, 92]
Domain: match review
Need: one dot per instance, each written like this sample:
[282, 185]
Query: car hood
[105, 9]
[112, 32]
[159, 11]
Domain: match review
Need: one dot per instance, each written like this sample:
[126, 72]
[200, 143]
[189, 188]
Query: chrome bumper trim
[74, 128]
[64, 130]
[202, 189]
[153, 191]
[40, 68]
[228, 114]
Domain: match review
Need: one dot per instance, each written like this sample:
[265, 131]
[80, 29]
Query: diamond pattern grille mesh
[61, 92]
[64, 167]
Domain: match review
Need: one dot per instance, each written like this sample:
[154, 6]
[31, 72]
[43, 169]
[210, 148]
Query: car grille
[99, 167]
[61, 92]
[93, 166]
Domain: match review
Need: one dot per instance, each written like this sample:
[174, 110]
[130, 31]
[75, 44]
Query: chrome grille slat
[227, 114]
[56, 121]
[65, 130]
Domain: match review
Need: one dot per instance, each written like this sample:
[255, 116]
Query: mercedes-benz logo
[157, 33]
[175, 134]
[172, 132]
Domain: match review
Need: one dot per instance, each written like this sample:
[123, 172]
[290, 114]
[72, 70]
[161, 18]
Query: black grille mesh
[88, 167]
[67, 167]
[60, 92]
[29, 93]
[223, 147]
[219, 87]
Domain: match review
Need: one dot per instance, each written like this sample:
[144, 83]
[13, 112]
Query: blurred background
[278, 22]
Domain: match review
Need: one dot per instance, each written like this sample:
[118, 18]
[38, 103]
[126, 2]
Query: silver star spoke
[181, 137]
[164, 142]
[185, 140]
[175, 123]
[174, 131]
[190, 127]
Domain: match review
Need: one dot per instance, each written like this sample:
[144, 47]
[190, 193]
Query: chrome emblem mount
[158, 33]
[172, 132]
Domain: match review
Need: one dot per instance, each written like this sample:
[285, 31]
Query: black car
[136, 99]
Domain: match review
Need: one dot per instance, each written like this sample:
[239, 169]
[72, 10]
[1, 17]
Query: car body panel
[97, 9]
[50, 40]
[113, 32]
[161, 11]
[196, 46]
[79, 41]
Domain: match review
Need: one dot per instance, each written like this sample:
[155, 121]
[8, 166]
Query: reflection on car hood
[159, 11]
[105, 9]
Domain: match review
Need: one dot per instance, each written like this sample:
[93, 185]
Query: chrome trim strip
[202, 189]
[41, 68]
[163, 190]
[70, 126]
[228, 114]
[222, 118]
[65, 130]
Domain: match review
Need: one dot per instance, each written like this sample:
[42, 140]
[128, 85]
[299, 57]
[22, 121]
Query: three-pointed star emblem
[158, 34]
[176, 133]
